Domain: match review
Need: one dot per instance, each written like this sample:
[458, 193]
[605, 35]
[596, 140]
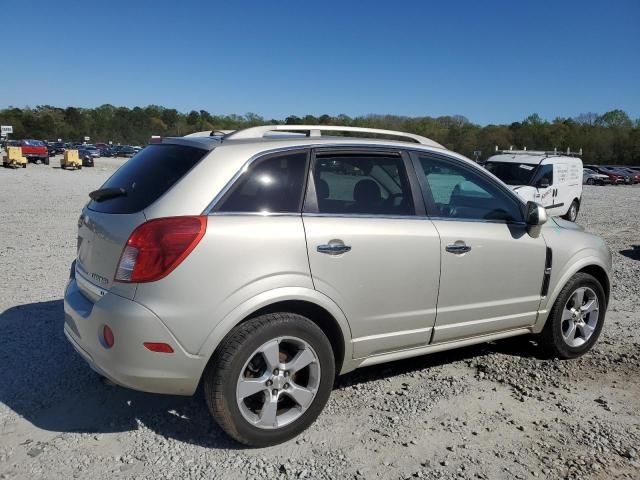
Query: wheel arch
[591, 265]
[318, 315]
[303, 301]
[599, 274]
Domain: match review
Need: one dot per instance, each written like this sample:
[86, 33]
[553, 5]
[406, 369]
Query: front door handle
[458, 248]
[334, 247]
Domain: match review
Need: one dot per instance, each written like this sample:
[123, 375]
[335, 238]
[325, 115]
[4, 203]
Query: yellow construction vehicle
[71, 160]
[14, 158]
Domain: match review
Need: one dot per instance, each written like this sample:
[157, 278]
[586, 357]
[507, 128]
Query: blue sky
[493, 61]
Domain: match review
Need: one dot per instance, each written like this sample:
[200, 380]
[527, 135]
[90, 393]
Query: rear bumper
[128, 362]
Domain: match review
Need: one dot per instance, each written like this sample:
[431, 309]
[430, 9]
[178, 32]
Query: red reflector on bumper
[158, 347]
[107, 334]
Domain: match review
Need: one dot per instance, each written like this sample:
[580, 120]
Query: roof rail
[210, 133]
[315, 131]
[554, 152]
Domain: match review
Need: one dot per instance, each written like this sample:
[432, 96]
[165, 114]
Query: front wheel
[270, 378]
[572, 213]
[591, 181]
[576, 319]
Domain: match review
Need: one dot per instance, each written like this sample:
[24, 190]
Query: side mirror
[535, 216]
[543, 183]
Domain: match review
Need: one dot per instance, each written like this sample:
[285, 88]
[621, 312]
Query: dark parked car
[106, 151]
[86, 156]
[124, 151]
[56, 148]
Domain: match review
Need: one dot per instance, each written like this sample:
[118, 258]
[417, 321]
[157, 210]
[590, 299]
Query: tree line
[608, 138]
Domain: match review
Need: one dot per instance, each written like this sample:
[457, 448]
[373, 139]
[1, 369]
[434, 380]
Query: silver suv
[263, 262]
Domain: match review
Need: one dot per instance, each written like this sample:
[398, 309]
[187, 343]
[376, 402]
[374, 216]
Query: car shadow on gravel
[633, 253]
[45, 381]
[521, 346]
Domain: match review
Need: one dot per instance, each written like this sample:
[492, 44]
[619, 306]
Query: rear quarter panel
[239, 258]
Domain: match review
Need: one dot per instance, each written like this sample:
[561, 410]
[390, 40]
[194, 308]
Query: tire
[239, 355]
[572, 213]
[46, 161]
[24, 165]
[591, 181]
[554, 335]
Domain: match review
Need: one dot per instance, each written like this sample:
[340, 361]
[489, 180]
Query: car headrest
[367, 191]
[322, 189]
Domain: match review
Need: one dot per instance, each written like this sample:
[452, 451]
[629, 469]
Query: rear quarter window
[147, 176]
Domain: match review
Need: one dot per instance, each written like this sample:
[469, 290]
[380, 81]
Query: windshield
[34, 143]
[512, 173]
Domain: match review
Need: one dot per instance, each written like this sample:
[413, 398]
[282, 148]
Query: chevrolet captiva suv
[262, 263]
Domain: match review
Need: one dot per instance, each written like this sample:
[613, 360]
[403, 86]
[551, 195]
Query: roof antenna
[568, 150]
[525, 149]
[496, 148]
[555, 150]
[580, 151]
[510, 147]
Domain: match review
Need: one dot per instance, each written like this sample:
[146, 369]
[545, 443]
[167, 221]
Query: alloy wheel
[580, 317]
[278, 383]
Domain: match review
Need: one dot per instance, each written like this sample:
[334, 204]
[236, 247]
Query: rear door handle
[458, 247]
[334, 247]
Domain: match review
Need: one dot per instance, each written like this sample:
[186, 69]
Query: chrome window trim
[246, 165]
[364, 215]
[254, 214]
[478, 220]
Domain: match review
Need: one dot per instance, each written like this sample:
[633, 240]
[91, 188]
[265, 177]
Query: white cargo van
[552, 179]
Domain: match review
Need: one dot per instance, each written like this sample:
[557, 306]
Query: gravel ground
[491, 411]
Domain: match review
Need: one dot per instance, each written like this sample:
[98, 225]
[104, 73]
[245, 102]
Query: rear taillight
[158, 246]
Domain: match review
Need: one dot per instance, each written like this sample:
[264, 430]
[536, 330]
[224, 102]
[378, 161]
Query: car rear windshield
[147, 176]
[512, 173]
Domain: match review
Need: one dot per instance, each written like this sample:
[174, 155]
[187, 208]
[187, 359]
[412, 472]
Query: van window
[147, 176]
[512, 173]
[545, 172]
[271, 185]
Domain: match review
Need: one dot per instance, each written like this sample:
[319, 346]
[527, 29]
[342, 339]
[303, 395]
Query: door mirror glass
[543, 183]
[535, 216]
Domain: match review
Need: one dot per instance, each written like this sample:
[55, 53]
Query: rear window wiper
[107, 193]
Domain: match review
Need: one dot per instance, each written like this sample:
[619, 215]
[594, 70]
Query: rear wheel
[270, 378]
[572, 213]
[576, 319]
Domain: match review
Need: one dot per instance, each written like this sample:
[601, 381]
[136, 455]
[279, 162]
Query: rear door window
[147, 176]
[362, 184]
